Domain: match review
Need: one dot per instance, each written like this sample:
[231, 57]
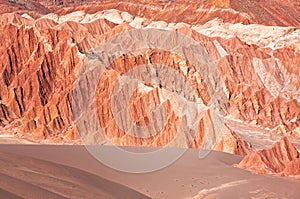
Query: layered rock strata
[42, 54]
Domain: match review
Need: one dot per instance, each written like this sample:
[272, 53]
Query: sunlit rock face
[253, 53]
[283, 159]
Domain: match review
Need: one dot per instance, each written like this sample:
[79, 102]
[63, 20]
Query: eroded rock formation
[42, 51]
[283, 159]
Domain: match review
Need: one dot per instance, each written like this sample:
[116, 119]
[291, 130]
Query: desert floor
[48, 167]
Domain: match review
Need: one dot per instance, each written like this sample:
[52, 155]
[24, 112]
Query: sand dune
[189, 177]
[27, 177]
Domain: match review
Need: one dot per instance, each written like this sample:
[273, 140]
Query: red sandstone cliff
[41, 54]
[283, 159]
[22, 5]
[278, 12]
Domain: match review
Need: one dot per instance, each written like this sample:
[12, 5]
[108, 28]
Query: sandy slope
[27, 177]
[189, 177]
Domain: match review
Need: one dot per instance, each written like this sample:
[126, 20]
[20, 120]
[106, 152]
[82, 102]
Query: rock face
[249, 78]
[22, 5]
[283, 159]
[270, 12]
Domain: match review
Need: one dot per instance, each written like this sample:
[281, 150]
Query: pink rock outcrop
[282, 159]
[42, 51]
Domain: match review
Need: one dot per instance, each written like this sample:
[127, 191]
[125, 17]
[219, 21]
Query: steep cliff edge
[282, 159]
[22, 5]
[41, 55]
[270, 13]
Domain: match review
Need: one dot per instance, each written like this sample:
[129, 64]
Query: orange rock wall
[41, 56]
